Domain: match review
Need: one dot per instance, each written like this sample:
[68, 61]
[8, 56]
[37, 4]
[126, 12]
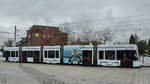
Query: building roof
[41, 27]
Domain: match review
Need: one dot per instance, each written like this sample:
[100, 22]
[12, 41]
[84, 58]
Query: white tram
[103, 55]
[78, 54]
[11, 54]
[118, 55]
[31, 54]
[51, 54]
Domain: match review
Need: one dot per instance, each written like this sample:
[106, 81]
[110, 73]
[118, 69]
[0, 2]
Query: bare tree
[104, 35]
[66, 27]
[8, 43]
[86, 32]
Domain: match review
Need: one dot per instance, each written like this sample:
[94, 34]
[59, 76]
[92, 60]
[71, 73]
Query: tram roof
[33, 48]
[78, 46]
[11, 49]
[131, 46]
[51, 47]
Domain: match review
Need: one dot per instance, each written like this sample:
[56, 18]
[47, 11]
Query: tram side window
[4, 53]
[36, 53]
[24, 53]
[30, 54]
[57, 54]
[7, 53]
[120, 55]
[45, 54]
[101, 54]
[16, 53]
[12, 53]
[51, 54]
[110, 55]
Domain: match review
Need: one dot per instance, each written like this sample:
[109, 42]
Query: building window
[29, 35]
[110, 55]
[44, 36]
[37, 35]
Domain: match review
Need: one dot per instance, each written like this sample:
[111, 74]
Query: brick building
[39, 35]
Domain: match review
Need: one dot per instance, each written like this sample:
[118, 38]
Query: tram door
[126, 57]
[36, 56]
[87, 57]
[24, 56]
[7, 55]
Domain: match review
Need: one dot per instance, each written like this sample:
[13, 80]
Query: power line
[6, 32]
[112, 21]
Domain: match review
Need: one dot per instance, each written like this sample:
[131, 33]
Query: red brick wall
[47, 36]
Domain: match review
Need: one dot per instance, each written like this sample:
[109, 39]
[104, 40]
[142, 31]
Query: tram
[78, 54]
[11, 54]
[31, 54]
[118, 55]
[99, 55]
[51, 54]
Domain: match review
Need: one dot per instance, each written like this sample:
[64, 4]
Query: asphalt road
[29, 73]
[10, 73]
[94, 75]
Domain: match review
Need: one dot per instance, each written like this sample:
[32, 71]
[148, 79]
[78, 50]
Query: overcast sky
[25, 13]
[55, 11]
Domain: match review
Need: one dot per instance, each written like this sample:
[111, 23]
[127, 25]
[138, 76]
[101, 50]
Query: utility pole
[15, 34]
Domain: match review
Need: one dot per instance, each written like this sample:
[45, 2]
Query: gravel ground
[29, 73]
